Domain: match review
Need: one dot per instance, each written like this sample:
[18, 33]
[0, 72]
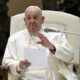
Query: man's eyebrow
[27, 15]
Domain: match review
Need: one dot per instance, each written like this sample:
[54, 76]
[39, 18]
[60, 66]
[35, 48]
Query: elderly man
[60, 54]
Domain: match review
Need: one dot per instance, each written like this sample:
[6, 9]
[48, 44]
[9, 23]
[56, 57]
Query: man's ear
[24, 18]
[43, 18]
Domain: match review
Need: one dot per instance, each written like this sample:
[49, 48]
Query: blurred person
[72, 7]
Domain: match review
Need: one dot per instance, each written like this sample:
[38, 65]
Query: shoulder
[17, 35]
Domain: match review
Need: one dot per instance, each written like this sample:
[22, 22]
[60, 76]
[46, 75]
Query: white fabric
[57, 63]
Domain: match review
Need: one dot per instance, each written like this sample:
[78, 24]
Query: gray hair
[34, 7]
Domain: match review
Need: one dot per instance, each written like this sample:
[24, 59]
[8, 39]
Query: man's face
[33, 20]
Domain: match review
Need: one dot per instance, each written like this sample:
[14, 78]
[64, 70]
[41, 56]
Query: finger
[26, 62]
[26, 65]
[39, 42]
[21, 64]
[40, 35]
[42, 43]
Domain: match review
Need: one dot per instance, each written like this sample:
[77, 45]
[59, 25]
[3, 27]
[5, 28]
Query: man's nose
[32, 20]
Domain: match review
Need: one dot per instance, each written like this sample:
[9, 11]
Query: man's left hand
[44, 41]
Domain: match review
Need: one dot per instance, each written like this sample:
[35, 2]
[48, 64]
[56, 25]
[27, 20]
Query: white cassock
[58, 64]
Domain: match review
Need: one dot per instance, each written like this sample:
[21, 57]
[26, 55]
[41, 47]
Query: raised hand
[44, 41]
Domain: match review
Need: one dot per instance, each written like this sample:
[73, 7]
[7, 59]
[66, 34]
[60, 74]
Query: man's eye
[35, 17]
[28, 18]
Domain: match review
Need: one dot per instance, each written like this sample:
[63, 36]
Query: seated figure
[60, 53]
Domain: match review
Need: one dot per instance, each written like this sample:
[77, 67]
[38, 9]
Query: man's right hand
[24, 64]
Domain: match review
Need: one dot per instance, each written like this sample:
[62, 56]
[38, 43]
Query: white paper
[37, 57]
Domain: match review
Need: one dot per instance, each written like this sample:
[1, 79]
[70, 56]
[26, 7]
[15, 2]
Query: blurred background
[9, 8]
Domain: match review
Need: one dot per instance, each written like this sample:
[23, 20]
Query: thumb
[39, 42]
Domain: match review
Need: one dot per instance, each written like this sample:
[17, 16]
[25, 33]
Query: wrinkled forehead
[32, 11]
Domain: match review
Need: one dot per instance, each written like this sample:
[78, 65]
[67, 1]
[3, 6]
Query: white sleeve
[10, 58]
[64, 50]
